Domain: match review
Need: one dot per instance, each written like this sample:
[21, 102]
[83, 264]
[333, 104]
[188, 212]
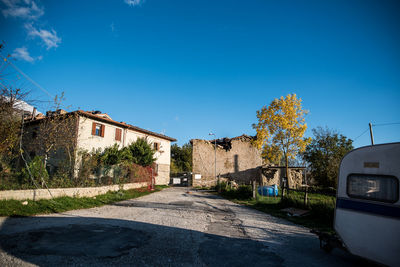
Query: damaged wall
[237, 159]
[273, 175]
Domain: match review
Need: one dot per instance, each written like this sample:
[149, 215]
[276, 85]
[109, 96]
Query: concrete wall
[240, 163]
[87, 141]
[36, 194]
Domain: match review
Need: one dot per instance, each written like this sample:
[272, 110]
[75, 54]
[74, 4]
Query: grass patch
[321, 208]
[61, 204]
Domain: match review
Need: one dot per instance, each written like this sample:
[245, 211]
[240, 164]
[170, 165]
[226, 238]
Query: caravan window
[373, 187]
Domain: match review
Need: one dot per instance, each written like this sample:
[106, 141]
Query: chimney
[33, 113]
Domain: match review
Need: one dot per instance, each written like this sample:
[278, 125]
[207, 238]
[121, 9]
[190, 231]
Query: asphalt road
[174, 227]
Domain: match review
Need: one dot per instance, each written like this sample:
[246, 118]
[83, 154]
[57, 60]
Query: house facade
[87, 131]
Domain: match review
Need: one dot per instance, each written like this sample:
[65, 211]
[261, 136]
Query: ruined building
[237, 160]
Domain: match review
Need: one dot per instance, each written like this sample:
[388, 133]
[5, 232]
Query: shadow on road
[82, 240]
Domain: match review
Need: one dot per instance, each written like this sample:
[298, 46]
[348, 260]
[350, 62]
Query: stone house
[237, 160]
[87, 130]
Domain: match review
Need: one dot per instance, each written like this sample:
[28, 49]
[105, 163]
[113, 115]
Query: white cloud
[112, 26]
[133, 2]
[50, 38]
[29, 12]
[22, 53]
[26, 9]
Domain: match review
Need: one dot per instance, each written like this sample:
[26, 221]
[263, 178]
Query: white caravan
[367, 214]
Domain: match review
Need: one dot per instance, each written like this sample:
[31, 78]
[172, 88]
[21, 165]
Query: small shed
[273, 175]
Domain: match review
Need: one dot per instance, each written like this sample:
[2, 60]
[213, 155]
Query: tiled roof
[110, 121]
[124, 125]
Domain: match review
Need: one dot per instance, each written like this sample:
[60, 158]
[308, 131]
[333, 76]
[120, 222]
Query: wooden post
[306, 186]
[254, 189]
[371, 134]
[305, 196]
[219, 184]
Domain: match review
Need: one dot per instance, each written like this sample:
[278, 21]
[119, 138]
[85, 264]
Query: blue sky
[185, 68]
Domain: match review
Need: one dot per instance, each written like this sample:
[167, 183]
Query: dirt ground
[174, 227]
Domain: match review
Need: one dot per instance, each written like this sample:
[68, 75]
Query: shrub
[242, 192]
[90, 164]
[142, 152]
[222, 187]
[112, 155]
[61, 179]
[37, 170]
[134, 163]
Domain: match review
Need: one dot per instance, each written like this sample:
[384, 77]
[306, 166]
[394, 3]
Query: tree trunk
[287, 170]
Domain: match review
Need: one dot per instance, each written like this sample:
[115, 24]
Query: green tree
[112, 155]
[324, 154]
[142, 152]
[10, 117]
[280, 130]
[181, 158]
[10, 125]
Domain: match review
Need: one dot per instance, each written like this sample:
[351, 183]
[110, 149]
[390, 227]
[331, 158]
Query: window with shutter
[93, 128]
[118, 134]
[98, 129]
[102, 129]
[156, 146]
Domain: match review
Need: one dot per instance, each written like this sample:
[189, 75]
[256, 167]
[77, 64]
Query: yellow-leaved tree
[280, 130]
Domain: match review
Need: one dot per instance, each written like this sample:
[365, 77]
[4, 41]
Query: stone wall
[36, 194]
[57, 135]
[237, 160]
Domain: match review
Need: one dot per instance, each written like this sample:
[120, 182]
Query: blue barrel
[268, 190]
[275, 190]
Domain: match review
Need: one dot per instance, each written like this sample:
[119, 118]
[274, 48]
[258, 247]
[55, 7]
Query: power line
[377, 124]
[360, 135]
[385, 124]
[27, 77]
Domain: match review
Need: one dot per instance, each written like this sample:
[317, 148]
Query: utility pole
[215, 161]
[371, 134]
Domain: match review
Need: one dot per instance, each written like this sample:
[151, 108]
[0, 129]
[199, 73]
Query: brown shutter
[102, 130]
[94, 128]
[118, 134]
[156, 146]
